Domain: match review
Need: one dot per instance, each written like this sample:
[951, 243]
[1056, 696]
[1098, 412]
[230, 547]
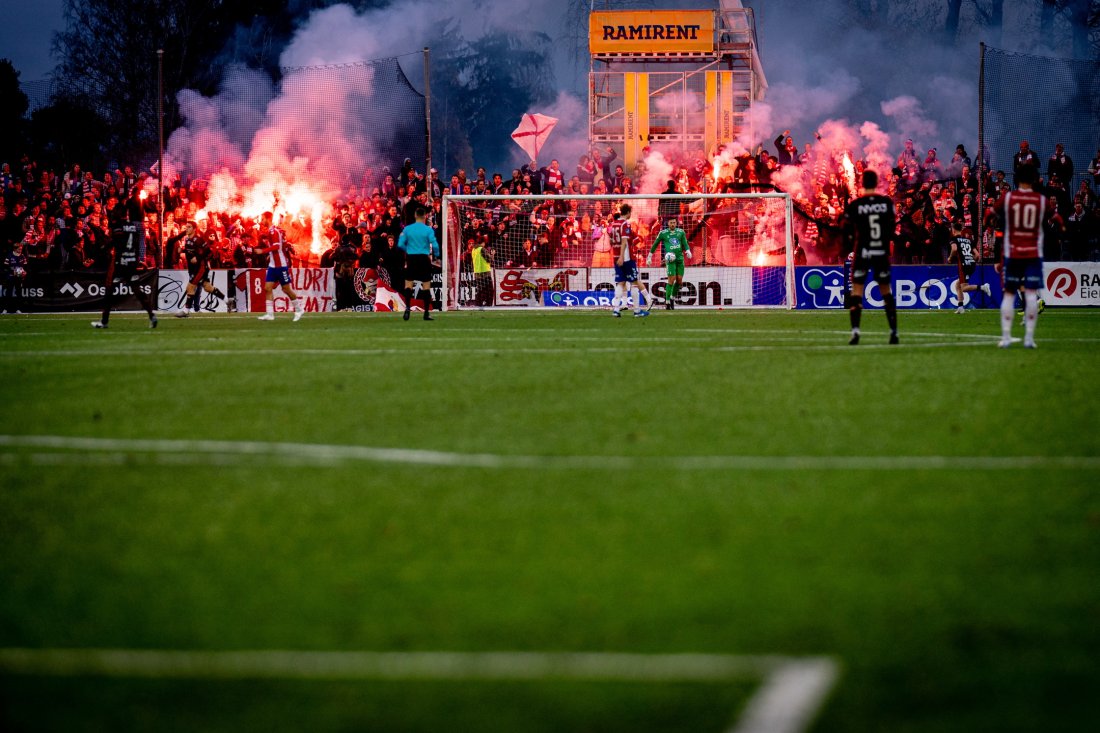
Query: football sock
[637, 295]
[269, 305]
[297, 303]
[218, 294]
[1031, 314]
[1008, 308]
[855, 312]
[196, 301]
[408, 298]
[105, 317]
[891, 311]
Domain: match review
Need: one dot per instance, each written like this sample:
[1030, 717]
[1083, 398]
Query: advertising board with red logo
[702, 286]
[1072, 283]
[314, 285]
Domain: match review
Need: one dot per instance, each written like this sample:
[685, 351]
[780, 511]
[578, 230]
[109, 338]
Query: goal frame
[449, 270]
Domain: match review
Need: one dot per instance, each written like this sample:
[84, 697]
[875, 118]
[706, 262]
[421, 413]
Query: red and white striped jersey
[619, 235]
[272, 243]
[1023, 213]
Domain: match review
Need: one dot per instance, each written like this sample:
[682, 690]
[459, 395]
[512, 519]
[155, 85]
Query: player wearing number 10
[869, 228]
[1023, 212]
[676, 246]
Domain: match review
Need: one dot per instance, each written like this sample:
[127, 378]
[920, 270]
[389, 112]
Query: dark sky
[26, 30]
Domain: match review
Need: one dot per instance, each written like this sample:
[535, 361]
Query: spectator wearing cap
[1024, 158]
[908, 155]
[959, 160]
[435, 186]
[930, 169]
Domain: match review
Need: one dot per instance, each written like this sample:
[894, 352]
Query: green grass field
[718, 483]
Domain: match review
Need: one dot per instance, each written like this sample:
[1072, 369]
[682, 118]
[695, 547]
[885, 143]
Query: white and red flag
[532, 133]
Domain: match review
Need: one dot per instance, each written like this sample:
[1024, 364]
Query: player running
[1023, 213]
[868, 224]
[962, 249]
[127, 260]
[421, 249]
[196, 250]
[272, 243]
[620, 234]
[676, 248]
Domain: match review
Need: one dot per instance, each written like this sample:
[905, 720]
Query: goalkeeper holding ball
[676, 246]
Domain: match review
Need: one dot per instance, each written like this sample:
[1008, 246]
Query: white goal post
[551, 251]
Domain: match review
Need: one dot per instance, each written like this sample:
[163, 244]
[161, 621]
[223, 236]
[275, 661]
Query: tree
[13, 108]
[108, 54]
[68, 131]
[491, 82]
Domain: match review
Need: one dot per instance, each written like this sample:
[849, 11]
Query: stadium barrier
[816, 287]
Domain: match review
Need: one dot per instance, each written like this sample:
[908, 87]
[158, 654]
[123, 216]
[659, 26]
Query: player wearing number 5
[676, 247]
[1023, 212]
[869, 224]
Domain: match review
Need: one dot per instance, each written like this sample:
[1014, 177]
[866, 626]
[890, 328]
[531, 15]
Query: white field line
[790, 697]
[792, 692]
[633, 347]
[117, 451]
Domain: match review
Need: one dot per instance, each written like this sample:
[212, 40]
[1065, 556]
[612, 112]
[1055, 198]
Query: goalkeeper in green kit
[676, 248]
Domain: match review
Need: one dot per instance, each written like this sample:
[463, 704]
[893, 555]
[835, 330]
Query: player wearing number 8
[676, 247]
[1023, 213]
[869, 229]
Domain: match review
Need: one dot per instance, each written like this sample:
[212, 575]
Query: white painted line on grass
[790, 697]
[112, 451]
[634, 347]
[788, 700]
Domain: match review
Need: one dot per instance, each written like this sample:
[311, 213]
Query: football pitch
[546, 521]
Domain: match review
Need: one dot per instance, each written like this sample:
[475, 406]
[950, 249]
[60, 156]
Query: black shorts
[125, 273]
[966, 272]
[877, 267]
[198, 274]
[418, 268]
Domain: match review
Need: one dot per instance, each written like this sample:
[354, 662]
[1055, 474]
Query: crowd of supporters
[63, 219]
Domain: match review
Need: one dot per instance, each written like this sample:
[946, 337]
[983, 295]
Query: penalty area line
[55, 450]
[790, 696]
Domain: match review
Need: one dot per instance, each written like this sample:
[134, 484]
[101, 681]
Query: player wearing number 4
[676, 248]
[869, 228]
[1023, 212]
[622, 239]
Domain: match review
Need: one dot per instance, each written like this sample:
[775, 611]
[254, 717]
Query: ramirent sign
[651, 31]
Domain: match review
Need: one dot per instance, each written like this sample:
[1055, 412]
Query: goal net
[554, 251]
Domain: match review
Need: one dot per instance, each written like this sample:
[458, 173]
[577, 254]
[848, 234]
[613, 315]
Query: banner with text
[173, 287]
[314, 285]
[915, 287]
[731, 287]
[76, 291]
[1072, 283]
[651, 31]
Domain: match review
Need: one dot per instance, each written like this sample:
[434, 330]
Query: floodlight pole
[160, 157]
[428, 119]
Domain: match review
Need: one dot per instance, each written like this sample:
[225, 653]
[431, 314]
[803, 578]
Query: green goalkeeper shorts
[676, 268]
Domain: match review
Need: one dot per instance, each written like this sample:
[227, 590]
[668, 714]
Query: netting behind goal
[553, 251]
[1044, 101]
